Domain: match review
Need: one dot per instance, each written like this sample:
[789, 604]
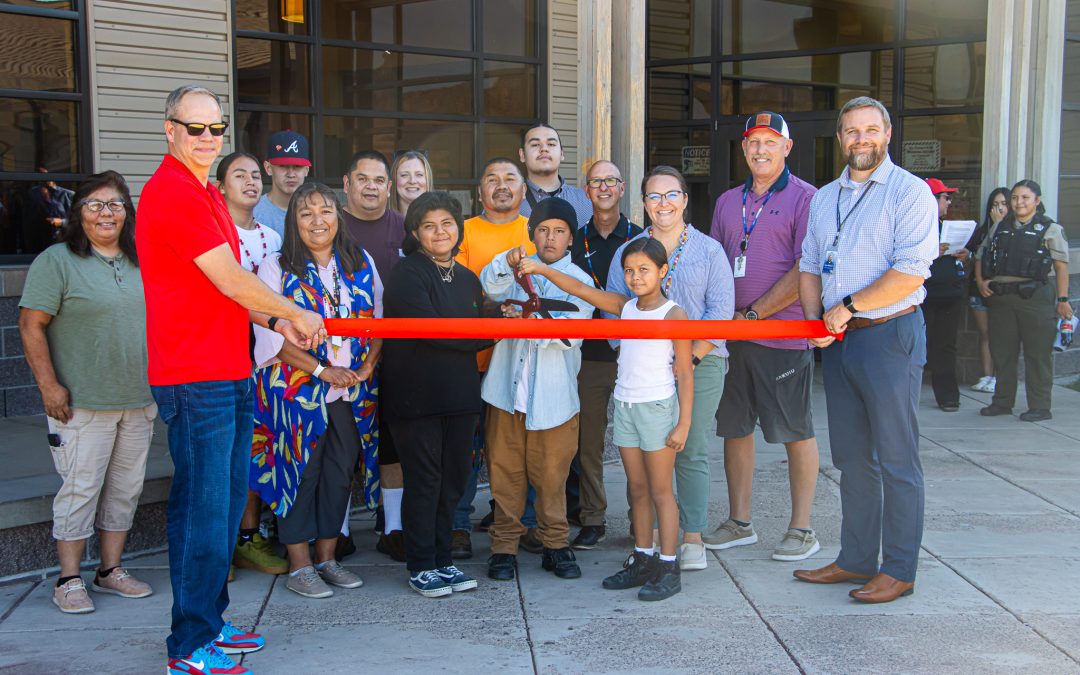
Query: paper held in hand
[956, 234]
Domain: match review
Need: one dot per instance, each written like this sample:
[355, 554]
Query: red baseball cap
[937, 186]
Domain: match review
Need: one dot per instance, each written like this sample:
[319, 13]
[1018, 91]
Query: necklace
[247, 253]
[588, 254]
[675, 257]
[448, 275]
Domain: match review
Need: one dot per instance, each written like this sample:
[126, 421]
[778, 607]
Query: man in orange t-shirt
[498, 229]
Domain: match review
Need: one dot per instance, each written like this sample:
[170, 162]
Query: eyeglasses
[610, 181]
[96, 205]
[197, 128]
[656, 197]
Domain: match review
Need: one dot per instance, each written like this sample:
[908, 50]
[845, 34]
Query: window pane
[502, 140]
[1072, 16]
[1070, 143]
[273, 16]
[665, 146]
[272, 72]
[948, 75]
[449, 145]
[25, 210]
[680, 92]
[37, 53]
[365, 79]
[52, 4]
[510, 27]
[806, 83]
[1071, 76]
[1069, 208]
[436, 24]
[509, 89]
[780, 25]
[959, 136]
[254, 129]
[37, 134]
[679, 29]
[934, 18]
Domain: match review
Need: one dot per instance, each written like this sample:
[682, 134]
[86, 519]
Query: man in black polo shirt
[592, 250]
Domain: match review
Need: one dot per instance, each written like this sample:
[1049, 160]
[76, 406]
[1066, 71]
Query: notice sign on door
[921, 156]
[695, 160]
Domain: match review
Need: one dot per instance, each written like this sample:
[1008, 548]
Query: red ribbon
[608, 329]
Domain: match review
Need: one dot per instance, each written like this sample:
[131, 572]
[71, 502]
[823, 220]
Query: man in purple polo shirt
[761, 225]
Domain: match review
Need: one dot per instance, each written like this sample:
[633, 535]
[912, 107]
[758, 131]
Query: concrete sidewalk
[998, 588]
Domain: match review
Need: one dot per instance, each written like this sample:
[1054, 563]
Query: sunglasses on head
[197, 129]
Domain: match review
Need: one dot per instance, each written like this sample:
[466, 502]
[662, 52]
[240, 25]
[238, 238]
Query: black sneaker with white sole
[429, 584]
[588, 538]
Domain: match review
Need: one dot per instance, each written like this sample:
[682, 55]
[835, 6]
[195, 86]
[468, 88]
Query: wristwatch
[271, 322]
[695, 360]
[750, 313]
[322, 365]
[849, 304]
[1063, 298]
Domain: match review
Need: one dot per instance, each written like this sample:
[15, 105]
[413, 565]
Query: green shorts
[645, 425]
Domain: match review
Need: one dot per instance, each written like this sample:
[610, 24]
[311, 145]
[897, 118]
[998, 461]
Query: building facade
[982, 92]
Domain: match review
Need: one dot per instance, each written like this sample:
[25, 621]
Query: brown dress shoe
[830, 574]
[392, 544]
[882, 588]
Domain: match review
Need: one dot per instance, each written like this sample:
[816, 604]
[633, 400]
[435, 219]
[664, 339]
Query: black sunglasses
[197, 129]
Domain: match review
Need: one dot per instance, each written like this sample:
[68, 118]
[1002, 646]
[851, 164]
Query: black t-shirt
[430, 377]
[596, 265]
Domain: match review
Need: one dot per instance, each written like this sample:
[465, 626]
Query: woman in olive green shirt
[83, 327]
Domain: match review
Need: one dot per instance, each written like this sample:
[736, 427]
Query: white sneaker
[981, 384]
[692, 557]
[992, 386]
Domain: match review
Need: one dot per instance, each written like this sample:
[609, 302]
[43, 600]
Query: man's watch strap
[695, 360]
[271, 322]
[319, 367]
[1063, 298]
[849, 304]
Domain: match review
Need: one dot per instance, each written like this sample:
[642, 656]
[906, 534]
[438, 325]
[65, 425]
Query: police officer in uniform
[1012, 269]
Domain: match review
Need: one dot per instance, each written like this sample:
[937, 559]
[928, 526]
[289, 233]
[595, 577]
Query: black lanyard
[839, 222]
[747, 232]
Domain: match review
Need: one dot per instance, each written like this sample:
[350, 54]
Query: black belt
[1025, 289]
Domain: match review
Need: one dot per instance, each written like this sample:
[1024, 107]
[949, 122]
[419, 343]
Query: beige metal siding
[563, 81]
[140, 50]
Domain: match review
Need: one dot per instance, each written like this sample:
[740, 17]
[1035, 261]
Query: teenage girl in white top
[645, 390]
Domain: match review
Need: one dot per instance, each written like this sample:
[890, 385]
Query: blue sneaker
[232, 640]
[206, 660]
[429, 584]
[458, 580]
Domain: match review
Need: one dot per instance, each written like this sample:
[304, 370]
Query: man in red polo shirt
[198, 299]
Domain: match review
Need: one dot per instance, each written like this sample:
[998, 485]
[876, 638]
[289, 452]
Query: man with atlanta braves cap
[287, 163]
[944, 305]
[761, 225]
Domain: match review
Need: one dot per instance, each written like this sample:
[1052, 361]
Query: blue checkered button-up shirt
[575, 195]
[895, 226]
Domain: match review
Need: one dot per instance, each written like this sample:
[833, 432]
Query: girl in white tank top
[650, 426]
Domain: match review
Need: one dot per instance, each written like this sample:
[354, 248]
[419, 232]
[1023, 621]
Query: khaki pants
[518, 458]
[596, 382]
[102, 461]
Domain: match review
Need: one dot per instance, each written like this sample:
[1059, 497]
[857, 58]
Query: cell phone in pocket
[55, 441]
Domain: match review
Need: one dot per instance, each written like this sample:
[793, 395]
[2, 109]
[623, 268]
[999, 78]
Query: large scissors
[537, 305]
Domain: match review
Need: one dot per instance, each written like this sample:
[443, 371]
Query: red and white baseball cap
[938, 187]
[767, 120]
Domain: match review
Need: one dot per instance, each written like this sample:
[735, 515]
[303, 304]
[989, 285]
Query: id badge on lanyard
[829, 264]
[740, 267]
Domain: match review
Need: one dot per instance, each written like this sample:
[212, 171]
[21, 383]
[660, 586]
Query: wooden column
[628, 99]
[594, 83]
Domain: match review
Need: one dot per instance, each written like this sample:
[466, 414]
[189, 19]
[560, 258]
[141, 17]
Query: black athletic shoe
[562, 562]
[1036, 415]
[501, 566]
[485, 523]
[380, 519]
[993, 410]
[666, 582]
[638, 569]
[588, 537]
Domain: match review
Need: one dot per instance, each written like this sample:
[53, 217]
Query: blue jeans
[210, 429]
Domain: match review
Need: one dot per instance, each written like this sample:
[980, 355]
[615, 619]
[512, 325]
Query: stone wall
[18, 393]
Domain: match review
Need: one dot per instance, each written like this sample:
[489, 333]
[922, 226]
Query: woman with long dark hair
[315, 410]
[997, 207]
[1012, 272]
[431, 389]
[83, 327]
